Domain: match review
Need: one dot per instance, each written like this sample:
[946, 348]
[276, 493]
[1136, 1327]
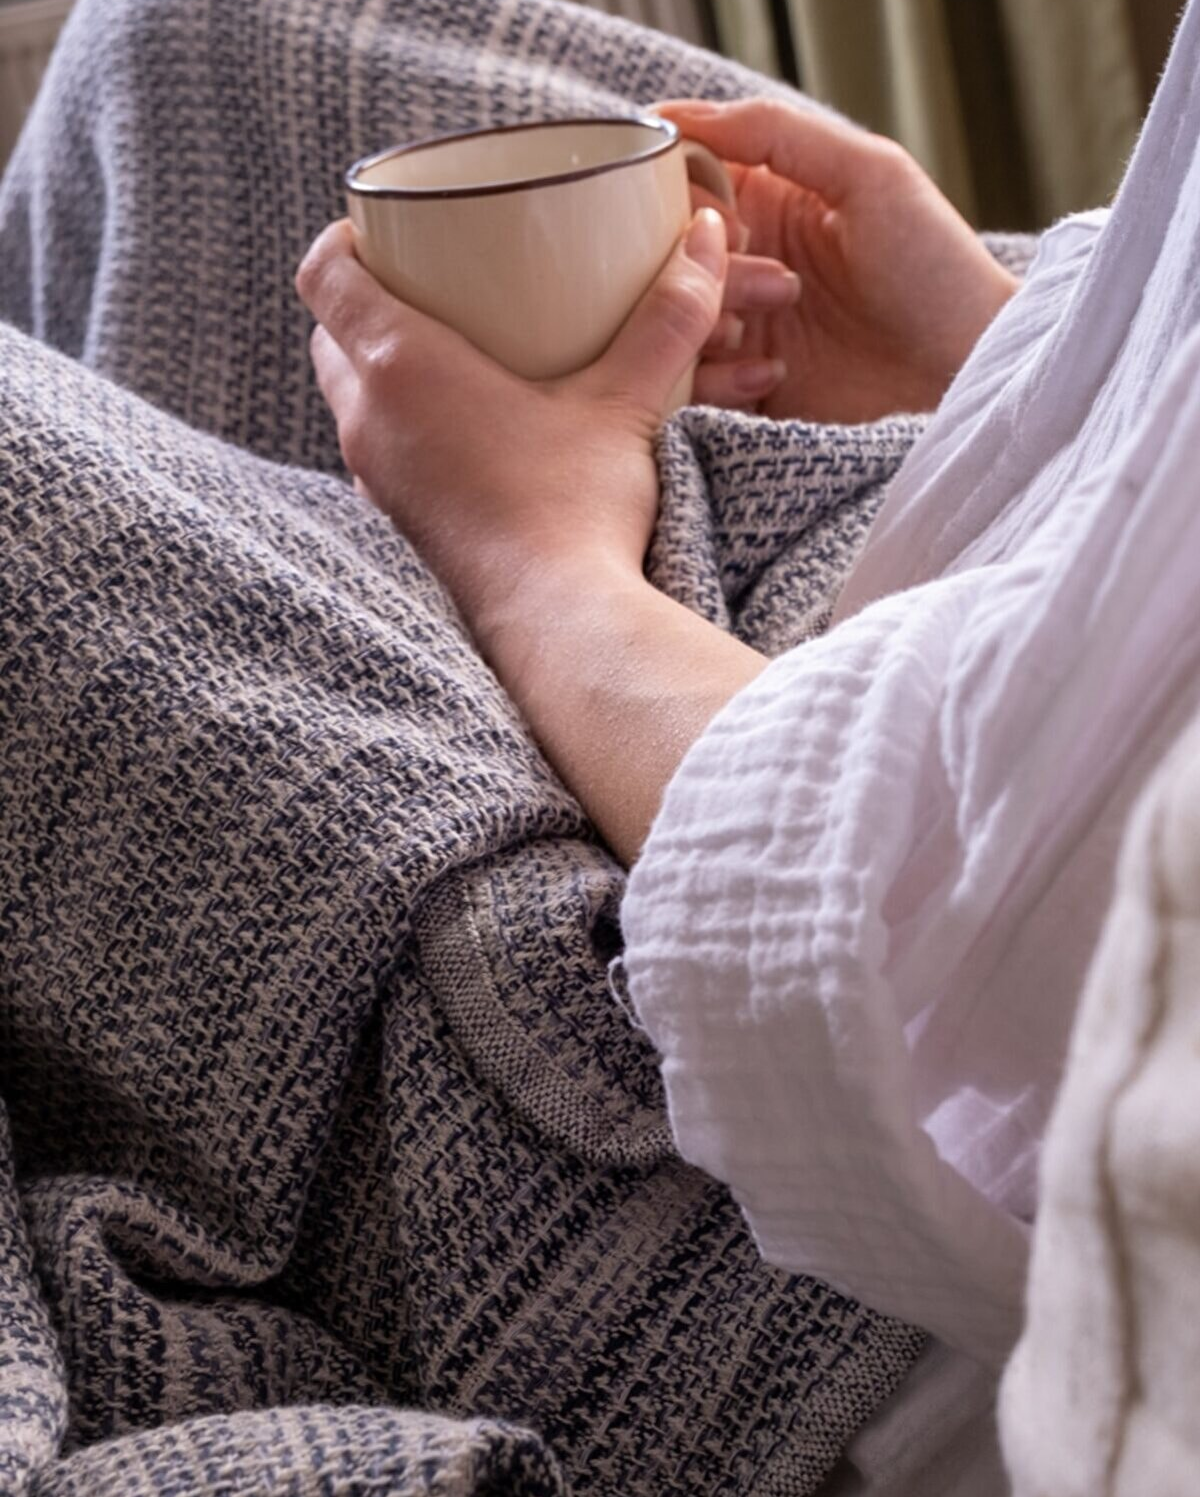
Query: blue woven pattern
[322, 1112]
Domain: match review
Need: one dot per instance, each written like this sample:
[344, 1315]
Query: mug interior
[513, 156]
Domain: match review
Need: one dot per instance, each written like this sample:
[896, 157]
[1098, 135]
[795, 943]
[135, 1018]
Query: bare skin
[546, 511]
[897, 288]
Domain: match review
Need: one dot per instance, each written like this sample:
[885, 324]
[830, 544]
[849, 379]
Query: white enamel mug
[534, 241]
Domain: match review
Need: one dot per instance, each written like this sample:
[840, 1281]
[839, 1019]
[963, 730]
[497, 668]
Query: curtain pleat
[1154, 23]
[746, 30]
[889, 64]
[1079, 96]
[27, 34]
[1022, 110]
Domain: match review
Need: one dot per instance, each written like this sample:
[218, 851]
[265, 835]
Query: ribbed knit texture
[321, 1109]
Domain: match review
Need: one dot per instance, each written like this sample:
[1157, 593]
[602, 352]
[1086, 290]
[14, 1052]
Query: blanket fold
[335, 1166]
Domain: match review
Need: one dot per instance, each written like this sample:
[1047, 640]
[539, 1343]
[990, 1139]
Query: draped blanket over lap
[328, 1159]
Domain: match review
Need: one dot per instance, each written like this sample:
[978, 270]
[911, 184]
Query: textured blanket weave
[317, 1108]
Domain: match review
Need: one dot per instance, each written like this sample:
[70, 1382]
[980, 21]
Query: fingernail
[698, 106]
[771, 286]
[789, 284]
[705, 242]
[743, 239]
[758, 377]
[733, 332]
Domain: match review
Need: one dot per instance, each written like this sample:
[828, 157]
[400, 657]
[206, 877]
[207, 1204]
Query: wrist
[614, 679]
[569, 594]
[995, 290]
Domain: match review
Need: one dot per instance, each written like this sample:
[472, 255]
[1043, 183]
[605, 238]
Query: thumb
[663, 335]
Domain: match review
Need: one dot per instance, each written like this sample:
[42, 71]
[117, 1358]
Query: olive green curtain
[746, 30]
[1022, 109]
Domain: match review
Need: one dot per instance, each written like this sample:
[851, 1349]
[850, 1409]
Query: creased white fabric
[860, 925]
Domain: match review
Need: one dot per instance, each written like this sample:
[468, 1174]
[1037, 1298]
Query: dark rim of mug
[666, 128]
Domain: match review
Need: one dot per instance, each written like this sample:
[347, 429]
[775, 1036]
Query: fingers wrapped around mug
[807, 145]
[737, 371]
[489, 473]
[741, 385]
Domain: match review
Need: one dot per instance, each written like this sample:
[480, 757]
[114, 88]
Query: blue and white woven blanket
[328, 1161]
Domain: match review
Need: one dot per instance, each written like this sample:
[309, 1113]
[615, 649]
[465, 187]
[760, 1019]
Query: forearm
[616, 681]
[534, 503]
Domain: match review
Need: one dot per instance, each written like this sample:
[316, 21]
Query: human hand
[534, 503]
[731, 373]
[493, 477]
[896, 286]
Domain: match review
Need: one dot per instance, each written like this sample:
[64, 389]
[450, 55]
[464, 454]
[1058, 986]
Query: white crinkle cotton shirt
[859, 927]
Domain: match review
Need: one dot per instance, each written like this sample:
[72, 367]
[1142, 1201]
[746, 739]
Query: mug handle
[708, 170]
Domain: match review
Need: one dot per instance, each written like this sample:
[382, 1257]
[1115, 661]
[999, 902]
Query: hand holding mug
[498, 479]
[533, 501]
[897, 286]
[533, 241]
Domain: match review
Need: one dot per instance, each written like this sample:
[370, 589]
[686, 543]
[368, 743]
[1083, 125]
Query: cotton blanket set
[329, 1160]
[334, 1153]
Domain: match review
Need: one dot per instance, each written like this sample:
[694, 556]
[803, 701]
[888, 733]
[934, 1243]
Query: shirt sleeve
[861, 921]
